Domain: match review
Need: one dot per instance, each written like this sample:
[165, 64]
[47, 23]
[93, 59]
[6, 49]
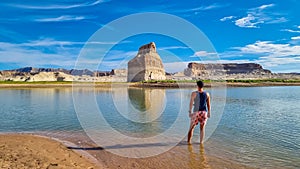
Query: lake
[255, 126]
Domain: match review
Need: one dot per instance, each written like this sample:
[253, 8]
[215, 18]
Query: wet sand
[180, 157]
[32, 151]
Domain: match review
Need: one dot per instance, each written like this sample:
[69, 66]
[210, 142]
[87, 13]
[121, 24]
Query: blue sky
[51, 33]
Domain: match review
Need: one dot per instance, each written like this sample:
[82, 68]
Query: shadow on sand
[85, 148]
[119, 146]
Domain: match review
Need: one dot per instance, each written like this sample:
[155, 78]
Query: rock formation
[198, 69]
[146, 65]
[119, 72]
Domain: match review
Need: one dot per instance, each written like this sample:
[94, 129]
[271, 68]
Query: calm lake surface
[256, 126]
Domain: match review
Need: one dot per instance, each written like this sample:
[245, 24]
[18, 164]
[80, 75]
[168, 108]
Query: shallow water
[259, 126]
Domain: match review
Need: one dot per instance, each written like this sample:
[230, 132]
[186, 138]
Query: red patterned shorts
[200, 116]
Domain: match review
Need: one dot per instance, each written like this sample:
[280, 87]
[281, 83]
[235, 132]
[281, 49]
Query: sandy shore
[28, 151]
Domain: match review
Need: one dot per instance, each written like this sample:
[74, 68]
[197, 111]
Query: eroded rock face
[119, 72]
[146, 65]
[198, 69]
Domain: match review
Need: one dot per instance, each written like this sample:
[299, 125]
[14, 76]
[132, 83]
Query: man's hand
[190, 114]
[208, 114]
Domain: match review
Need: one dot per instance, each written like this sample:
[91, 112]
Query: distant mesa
[31, 74]
[74, 72]
[199, 69]
[146, 65]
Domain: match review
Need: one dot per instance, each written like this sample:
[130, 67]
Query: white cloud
[46, 42]
[62, 18]
[265, 6]
[172, 47]
[271, 49]
[22, 56]
[119, 55]
[173, 67]
[209, 7]
[202, 8]
[226, 18]
[277, 20]
[271, 54]
[295, 38]
[50, 6]
[258, 15]
[49, 52]
[204, 53]
[291, 31]
[249, 21]
[269, 62]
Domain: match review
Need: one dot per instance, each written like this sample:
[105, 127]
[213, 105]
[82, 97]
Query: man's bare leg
[190, 134]
[202, 132]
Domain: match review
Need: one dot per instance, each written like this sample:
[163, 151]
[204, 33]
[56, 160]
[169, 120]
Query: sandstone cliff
[146, 65]
[230, 69]
[74, 72]
[30, 74]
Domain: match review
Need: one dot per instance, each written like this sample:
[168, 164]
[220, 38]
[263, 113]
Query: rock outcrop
[30, 74]
[38, 70]
[119, 72]
[146, 65]
[74, 72]
[198, 69]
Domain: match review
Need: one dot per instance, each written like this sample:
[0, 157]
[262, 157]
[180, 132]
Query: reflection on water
[146, 104]
[37, 110]
[135, 111]
[260, 126]
[139, 98]
[151, 128]
[197, 159]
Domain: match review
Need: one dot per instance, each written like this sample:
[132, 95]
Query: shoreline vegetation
[154, 83]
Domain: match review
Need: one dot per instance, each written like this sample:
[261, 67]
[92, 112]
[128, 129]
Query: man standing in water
[201, 101]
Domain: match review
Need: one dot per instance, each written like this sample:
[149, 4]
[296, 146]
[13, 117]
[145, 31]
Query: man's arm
[208, 104]
[191, 102]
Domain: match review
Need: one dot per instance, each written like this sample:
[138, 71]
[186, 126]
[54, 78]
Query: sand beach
[29, 151]
[43, 151]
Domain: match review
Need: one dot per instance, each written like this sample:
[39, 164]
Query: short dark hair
[200, 84]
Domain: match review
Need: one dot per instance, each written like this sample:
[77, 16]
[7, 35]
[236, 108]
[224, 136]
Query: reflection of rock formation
[139, 104]
[149, 103]
[147, 65]
[140, 110]
[139, 99]
[149, 100]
